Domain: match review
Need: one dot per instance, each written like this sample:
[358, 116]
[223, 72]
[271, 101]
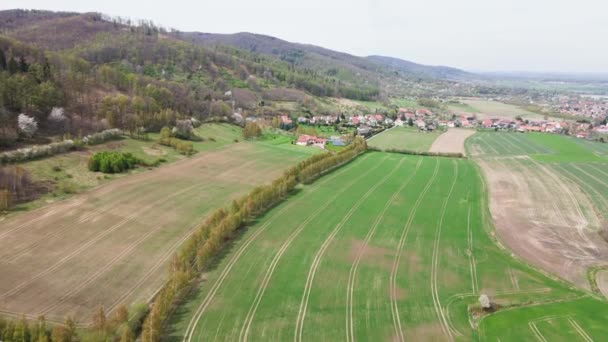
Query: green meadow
[404, 138]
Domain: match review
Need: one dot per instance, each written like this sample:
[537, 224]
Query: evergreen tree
[2, 60]
[23, 66]
[12, 66]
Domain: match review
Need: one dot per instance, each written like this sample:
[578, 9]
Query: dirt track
[111, 245]
[452, 141]
[543, 217]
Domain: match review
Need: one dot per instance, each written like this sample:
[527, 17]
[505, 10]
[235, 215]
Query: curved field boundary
[218, 283]
[298, 331]
[393, 277]
[435, 262]
[352, 276]
[270, 270]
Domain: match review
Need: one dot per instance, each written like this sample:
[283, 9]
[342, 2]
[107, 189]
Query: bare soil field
[111, 245]
[452, 141]
[543, 217]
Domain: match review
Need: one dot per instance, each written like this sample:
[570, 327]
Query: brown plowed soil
[538, 214]
[111, 245]
[452, 141]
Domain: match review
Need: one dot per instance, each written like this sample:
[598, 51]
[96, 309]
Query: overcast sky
[477, 35]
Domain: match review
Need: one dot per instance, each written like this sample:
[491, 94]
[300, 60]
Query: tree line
[220, 227]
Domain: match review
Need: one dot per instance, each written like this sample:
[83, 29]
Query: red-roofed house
[310, 140]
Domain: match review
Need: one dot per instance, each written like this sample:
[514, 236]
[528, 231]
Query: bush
[183, 147]
[113, 162]
[101, 137]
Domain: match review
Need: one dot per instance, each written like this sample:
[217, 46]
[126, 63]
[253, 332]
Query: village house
[286, 120]
[364, 130]
[303, 120]
[311, 140]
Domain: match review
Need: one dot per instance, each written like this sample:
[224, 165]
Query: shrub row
[183, 147]
[101, 137]
[35, 152]
[421, 153]
[113, 162]
[218, 228]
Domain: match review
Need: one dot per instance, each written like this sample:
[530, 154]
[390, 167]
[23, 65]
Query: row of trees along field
[135, 78]
[219, 227]
[121, 326]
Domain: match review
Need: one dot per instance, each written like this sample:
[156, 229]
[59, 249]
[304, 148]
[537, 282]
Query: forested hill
[411, 68]
[111, 72]
[325, 60]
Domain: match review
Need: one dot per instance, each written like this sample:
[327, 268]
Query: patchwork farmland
[112, 244]
[389, 247]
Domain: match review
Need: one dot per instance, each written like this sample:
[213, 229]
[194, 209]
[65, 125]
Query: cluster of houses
[586, 106]
[578, 129]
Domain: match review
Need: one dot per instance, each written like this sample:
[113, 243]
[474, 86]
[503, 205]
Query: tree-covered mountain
[112, 72]
[411, 68]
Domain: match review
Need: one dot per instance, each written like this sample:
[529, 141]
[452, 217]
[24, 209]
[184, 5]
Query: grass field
[111, 245]
[494, 109]
[504, 144]
[68, 174]
[404, 138]
[389, 247]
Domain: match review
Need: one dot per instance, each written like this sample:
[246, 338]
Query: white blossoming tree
[57, 115]
[58, 120]
[484, 301]
[27, 124]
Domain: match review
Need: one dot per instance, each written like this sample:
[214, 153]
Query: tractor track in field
[519, 150]
[125, 252]
[586, 172]
[96, 213]
[219, 282]
[472, 263]
[350, 329]
[579, 329]
[89, 243]
[539, 336]
[396, 261]
[435, 262]
[270, 270]
[579, 181]
[299, 329]
[36, 219]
